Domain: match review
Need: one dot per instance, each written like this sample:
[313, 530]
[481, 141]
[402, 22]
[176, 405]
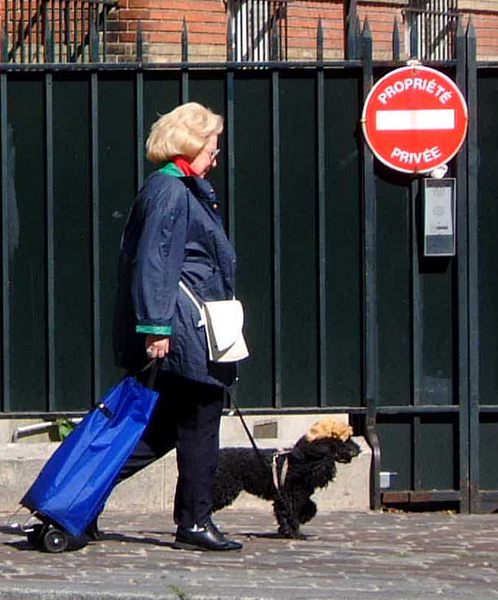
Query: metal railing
[258, 30]
[39, 31]
[432, 27]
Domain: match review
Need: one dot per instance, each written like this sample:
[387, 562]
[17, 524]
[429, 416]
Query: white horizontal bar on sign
[405, 120]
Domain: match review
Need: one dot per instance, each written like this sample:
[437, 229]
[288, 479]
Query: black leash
[257, 450]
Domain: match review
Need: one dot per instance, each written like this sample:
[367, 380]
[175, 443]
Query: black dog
[288, 479]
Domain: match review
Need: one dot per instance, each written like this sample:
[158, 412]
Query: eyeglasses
[214, 153]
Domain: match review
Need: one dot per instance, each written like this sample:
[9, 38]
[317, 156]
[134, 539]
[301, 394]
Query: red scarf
[185, 167]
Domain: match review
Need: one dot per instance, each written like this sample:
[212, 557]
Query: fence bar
[6, 174]
[97, 349]
[473, 248]
[139, 100]
[185, 75]
[230, 173]
[417, 318]
[230, 152]
[370, 324]
[463, 283]
[322, 237]
[50, 249]
[139, 116]
[277, 242]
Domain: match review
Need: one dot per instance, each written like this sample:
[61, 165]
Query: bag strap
[196, 303]
[153, 365]
[191, 296]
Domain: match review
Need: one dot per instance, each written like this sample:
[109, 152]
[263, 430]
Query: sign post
[415, 119]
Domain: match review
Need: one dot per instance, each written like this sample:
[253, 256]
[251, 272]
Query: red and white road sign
[415, 119]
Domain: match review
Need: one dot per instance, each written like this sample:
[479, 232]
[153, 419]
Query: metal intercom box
[439, 197]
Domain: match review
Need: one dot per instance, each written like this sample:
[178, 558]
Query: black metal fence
[49, 31]
[344, 313]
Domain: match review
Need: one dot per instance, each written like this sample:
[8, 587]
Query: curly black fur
[311, 466]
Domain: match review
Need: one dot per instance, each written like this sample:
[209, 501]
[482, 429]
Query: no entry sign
[415, 119]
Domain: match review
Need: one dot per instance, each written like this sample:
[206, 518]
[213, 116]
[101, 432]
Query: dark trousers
[187, 416]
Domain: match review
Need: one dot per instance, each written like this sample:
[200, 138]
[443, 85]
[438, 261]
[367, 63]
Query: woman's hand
[156, 346]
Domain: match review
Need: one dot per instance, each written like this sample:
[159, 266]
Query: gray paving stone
[347, 556]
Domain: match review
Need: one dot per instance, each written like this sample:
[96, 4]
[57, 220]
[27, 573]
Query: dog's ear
[316, 450]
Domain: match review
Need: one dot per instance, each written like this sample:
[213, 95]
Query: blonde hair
[182, 132]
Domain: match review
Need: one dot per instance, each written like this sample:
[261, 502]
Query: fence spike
[460, 44]
[230, 41]
[140, 43]
[319, 40]
[49, 41]
[351, 30]
[184, 41]
[471, 31]
[396, 41]
[366, 32]
[413, 41]
[67, 31]
[274, 42]
[353, 37]
[94, 39]
[366, 42]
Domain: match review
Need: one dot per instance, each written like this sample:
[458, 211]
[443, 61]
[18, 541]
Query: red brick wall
[161, 22]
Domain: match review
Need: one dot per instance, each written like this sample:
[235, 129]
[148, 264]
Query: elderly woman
[174, 233]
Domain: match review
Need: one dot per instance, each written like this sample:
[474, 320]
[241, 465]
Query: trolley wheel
[55, 540]
[35, 535]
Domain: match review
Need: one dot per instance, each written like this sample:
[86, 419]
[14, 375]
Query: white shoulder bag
[223, 321]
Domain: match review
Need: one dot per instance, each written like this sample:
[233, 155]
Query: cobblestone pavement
[347, 556]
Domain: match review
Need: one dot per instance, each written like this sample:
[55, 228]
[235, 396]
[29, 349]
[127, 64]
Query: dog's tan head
[329, 428]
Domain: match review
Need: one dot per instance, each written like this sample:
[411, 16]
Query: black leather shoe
[203, 538]
[210, 524]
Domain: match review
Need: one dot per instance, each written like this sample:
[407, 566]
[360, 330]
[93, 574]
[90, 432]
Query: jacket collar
[200, 187]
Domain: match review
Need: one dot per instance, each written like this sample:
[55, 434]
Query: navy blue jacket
[173, 232]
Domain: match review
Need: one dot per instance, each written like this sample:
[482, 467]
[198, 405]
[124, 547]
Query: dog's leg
[307, 511]
[288, 523]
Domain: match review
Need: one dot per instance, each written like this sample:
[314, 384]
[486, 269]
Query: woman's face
[206, 159]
